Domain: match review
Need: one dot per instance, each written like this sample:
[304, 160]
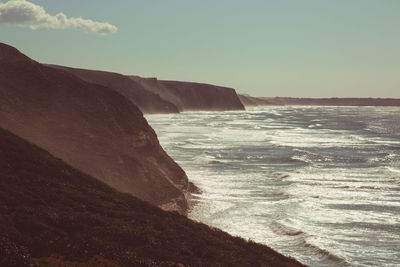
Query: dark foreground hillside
[52, 213]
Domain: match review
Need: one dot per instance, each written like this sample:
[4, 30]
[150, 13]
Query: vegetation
[96, 261]
[54, 215]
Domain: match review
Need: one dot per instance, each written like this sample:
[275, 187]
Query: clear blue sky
[302, 48]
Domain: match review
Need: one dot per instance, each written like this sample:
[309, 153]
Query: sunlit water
[321, 184]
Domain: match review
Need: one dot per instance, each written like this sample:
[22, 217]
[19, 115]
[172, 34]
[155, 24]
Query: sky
[298, 48]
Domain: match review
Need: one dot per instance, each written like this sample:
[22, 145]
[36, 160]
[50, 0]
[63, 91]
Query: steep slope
[91, 127]
[48, 207]
[193, 96]
[147, 101]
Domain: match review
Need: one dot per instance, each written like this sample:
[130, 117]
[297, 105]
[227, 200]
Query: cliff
[91, 127]
[193, 96]
[154, 96]
[147, 101]
[54, 215]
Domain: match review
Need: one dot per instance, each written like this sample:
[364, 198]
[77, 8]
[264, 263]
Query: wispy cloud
[27, 14]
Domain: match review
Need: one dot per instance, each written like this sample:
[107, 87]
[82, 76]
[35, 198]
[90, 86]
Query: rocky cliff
[91, 127]
[193, 96]
[147, 101]
[54, 215]
[156, 96]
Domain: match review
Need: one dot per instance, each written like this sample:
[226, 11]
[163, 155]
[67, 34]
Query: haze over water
[321, 184]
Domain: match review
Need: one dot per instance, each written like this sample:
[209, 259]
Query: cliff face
[147, 101]
[91, 127]
[193, 96]
[48, 207]
[155, 96]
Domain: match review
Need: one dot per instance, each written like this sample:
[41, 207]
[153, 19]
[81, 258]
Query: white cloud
[27, 14]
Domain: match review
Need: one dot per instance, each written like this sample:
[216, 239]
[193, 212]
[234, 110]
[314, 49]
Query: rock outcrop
[193, 96]
[89, 126]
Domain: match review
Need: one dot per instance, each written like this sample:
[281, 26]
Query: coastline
[83, 177]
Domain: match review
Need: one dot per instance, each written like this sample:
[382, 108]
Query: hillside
[193, 96]
[51, 212]
[147, 101]
[91, 127]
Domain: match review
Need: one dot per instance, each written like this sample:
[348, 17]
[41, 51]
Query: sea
[319, 184]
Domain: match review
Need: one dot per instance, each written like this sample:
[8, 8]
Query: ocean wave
[281, 229]
[299, 238]
[314, 125]
[393, 170]
[216, 162]
[280, 175]
[309, 157]
[327, 258]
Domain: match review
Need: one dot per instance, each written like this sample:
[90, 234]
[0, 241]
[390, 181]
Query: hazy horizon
[261, 48]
